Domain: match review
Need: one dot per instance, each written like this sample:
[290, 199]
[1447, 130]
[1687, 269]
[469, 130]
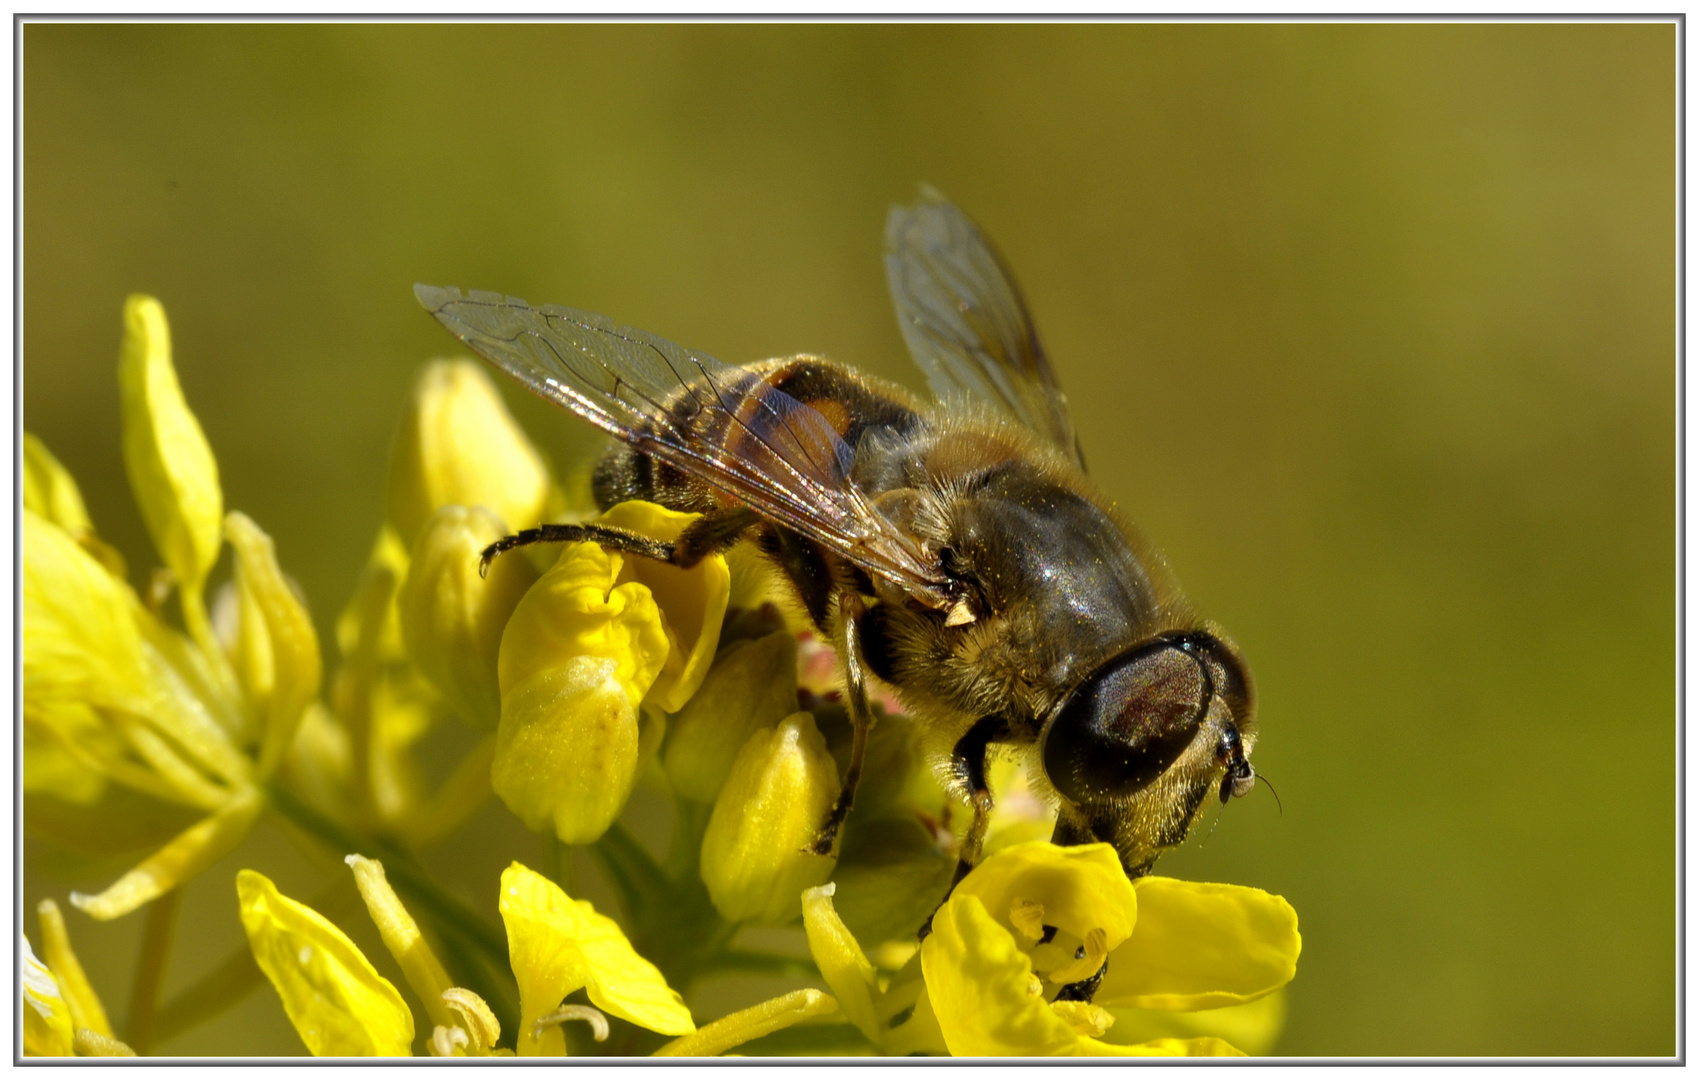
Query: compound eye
[1127, 723]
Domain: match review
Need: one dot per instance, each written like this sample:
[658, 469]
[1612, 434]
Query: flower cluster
[590, 675]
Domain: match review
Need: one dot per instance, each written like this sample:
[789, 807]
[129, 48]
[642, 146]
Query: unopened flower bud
[172, 470]
[752, 686]
[577, 658]
[452, 618]
[755, 855]
[458, 445]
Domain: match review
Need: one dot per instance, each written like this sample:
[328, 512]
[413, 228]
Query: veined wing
[965, 322]
[718, 423]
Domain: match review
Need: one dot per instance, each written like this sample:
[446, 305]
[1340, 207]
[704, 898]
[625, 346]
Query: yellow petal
[171, 467]
[86, 1009]
[692, 602]
[751, 686]
[977, 979]
[842, 964]
[1202, 946]
[755, 854]
[452, 618]
[1080, 888]
[47, 1016]
[740, 1027]
[1253, 1027]
[458, 445]
[557, 944]
[293, 646]
[192, 851]
[337, 1001]
[1207, 1047]
[576, 609]
[423, 971]
[50, 491]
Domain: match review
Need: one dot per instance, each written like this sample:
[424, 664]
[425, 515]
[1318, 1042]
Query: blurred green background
[1371, 327]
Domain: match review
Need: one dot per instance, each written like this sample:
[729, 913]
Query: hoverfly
[955, 549]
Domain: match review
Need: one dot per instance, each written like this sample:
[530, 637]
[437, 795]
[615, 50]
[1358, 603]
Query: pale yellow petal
[50, 490]
[339, 1004]
[1202, 946]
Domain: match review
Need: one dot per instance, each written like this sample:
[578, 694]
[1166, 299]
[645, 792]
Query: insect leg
[701, 538]
[967, 762]
[851, 611]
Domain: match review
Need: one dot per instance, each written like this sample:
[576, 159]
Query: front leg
[703, 537]
[967, 763]
[851, 610]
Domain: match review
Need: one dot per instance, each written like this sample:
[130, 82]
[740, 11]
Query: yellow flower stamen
[1028, 917]
[597, 1020]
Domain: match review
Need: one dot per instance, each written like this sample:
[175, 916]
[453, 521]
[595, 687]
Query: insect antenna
[1264, 778]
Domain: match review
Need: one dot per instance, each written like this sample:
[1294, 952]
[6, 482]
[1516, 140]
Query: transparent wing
[721, 424]
[965, 322]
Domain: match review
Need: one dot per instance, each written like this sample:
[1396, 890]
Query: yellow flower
[1037, 916]
[755, 856]
[558, 945]
[459, 446]
[596, 638]
[62, 1014]
[340, 1005]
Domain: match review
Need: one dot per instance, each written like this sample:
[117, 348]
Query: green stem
[409, 878]
[150, 969]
